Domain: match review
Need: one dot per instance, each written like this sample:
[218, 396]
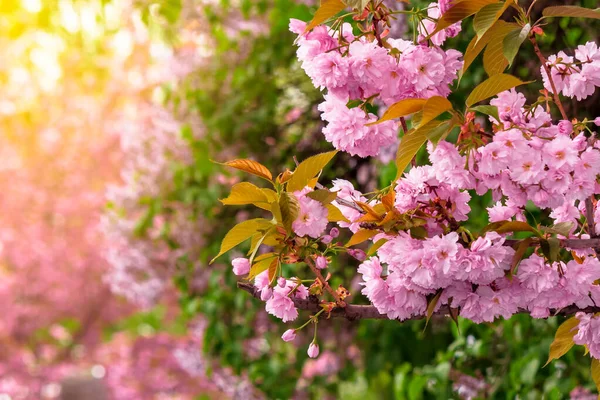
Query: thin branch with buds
[353, 312]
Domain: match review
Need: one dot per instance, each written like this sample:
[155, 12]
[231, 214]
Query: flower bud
[335, 232]
[241, 266]
[565, 127]
[358, 254]
[321, 262]
[313, 350]
[597, 121]
[289, 335]
[326, 239]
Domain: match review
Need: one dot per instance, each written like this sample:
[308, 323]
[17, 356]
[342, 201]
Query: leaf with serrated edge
[251, 166]
[358, 4]
[401, 109]
[492, 86]
[323, 196]
[509, 227]
[308, 169]
[571, 11]
[273, 269]
[328, 9]
[334, 214]
[487, 17]
[433, 108]
[521, 249]
[241, 232]
[494, 61]
[260, 265]
[512, 43]
[410, 145]
[376, 246]
[459, 11]
[562, 228]
[563, 340]
[361, 236]
[288, 204]
[431, 306]
[492, 111]
[245, 193]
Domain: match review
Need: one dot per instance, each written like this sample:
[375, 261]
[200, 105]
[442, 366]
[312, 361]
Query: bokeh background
[110, 114]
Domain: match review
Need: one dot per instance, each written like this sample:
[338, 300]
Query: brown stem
[354, 312]
[376, 31]
[404, 126]
[538, 52]
[315, 270]
[589, 215]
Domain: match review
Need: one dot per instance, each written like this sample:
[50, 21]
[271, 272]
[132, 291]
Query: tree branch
[353, 312]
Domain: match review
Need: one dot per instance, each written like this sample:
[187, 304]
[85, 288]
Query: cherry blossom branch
[544, 62]
[353, 312]
[341, 303]
[350, 311]
[575, 244]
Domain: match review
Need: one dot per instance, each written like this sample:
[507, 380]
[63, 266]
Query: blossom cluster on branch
[422, 257]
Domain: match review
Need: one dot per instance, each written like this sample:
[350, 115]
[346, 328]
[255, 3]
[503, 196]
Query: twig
[575, 244]
[589, 215]
[341, 303]
[353, 312]
[538, 52]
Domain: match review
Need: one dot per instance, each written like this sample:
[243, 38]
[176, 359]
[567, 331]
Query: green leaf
[571, 11]
[492, 86]
[241, 232]
[401, 109]
[288, 204]
[563, 340]
[492, 111]
[323, 196]
[245, 193]
[412, 142]
[308, 169]
[551, 248]
[494, 61]
[595, 371]
[512, 42]
[252, 167]
[459, 11]
[328, 9]
[487, 17]
[361, 236]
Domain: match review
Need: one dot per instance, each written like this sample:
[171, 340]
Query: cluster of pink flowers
[406, 270]
[575, 76]
[588, 333]
[532, 159]
[427, 26]
[352, 68]
[445, 179]
[312, 217]
[279, 298]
